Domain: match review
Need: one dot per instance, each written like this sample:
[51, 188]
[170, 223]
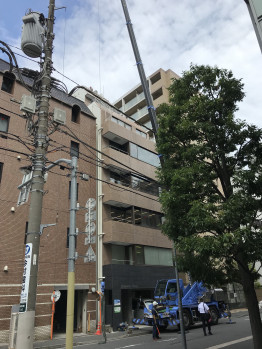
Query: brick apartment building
[16, 146]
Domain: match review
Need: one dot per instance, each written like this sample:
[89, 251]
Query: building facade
[134, 252]
[16, 149]
[133, 103]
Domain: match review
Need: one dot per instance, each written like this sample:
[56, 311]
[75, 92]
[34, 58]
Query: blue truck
[168, 311]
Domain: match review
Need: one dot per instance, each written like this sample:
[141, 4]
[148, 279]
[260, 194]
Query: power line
[119, 162]
[99, 99]
[123, 189]
[9, 111]
[15, 151]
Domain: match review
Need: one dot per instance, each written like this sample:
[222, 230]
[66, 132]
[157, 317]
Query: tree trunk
[252, 305]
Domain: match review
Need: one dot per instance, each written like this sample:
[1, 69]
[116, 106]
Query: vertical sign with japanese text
[26, 277]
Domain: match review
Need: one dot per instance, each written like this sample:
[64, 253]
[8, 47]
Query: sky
[92, 45]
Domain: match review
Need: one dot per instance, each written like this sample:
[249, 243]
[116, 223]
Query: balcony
[130, 162]
[121, 199]
[134, 101]
[129, 234]
[140, 113]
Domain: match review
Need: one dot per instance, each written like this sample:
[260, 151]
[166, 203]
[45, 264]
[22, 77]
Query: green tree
[212, 175]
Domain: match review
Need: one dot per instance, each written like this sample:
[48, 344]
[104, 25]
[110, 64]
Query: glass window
[165, 257]
[160, 288]
[8, 82]
[144, 155]
[75, 114]
[119, 147]
[158, 256]
[128, 127]
[144, 185]
[151, 256]
[171, 287]
[139, 255]
[121, 214]
[138, 217]
[118, 178]
[145, 218]
[4, 123]
[74, 150]
[118, 254]
[133, 150]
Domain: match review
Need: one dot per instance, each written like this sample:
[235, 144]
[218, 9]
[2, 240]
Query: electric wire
[89, 146]
[15, 151]
[98, 98]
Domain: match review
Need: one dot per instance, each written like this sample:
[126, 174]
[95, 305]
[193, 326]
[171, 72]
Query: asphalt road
[229, 336]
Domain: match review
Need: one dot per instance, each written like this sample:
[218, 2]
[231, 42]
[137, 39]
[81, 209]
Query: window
[171, 287]
[120, 178]
[4, 124]
[118, 254]
[144, 185]
[67, 238]
[119, 147]
[144, 155]
[121, 214]
[1, 170]
[75, 114]
[139, 255]
[158, 256]
[8, 82]
[147, 218]
[74, 150]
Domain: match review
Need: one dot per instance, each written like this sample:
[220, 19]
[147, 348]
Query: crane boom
[148, 97]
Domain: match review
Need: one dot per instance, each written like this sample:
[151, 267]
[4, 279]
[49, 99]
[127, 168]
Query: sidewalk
[59, 340]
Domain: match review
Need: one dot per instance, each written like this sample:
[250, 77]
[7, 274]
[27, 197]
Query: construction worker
[155, 328]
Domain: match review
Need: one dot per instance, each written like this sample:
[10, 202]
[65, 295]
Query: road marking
[230, 343]
[167, 340]
[128, 346]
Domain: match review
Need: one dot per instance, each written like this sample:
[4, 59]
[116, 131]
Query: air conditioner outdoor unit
[59, 116]
[28, 104]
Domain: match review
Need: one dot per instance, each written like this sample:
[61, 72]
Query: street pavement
[229, 336]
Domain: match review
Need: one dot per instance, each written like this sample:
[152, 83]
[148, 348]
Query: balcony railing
[140, 113]
[134, 101]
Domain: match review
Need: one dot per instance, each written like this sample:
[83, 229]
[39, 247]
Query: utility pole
[71, 258]
[153, 119]
[26, 322]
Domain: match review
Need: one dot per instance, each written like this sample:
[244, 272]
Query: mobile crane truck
[168, 311]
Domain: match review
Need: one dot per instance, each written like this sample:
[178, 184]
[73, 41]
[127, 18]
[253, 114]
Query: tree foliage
[211, 179]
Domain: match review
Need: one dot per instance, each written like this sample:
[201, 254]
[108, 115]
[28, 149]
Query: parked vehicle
[168, 311]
